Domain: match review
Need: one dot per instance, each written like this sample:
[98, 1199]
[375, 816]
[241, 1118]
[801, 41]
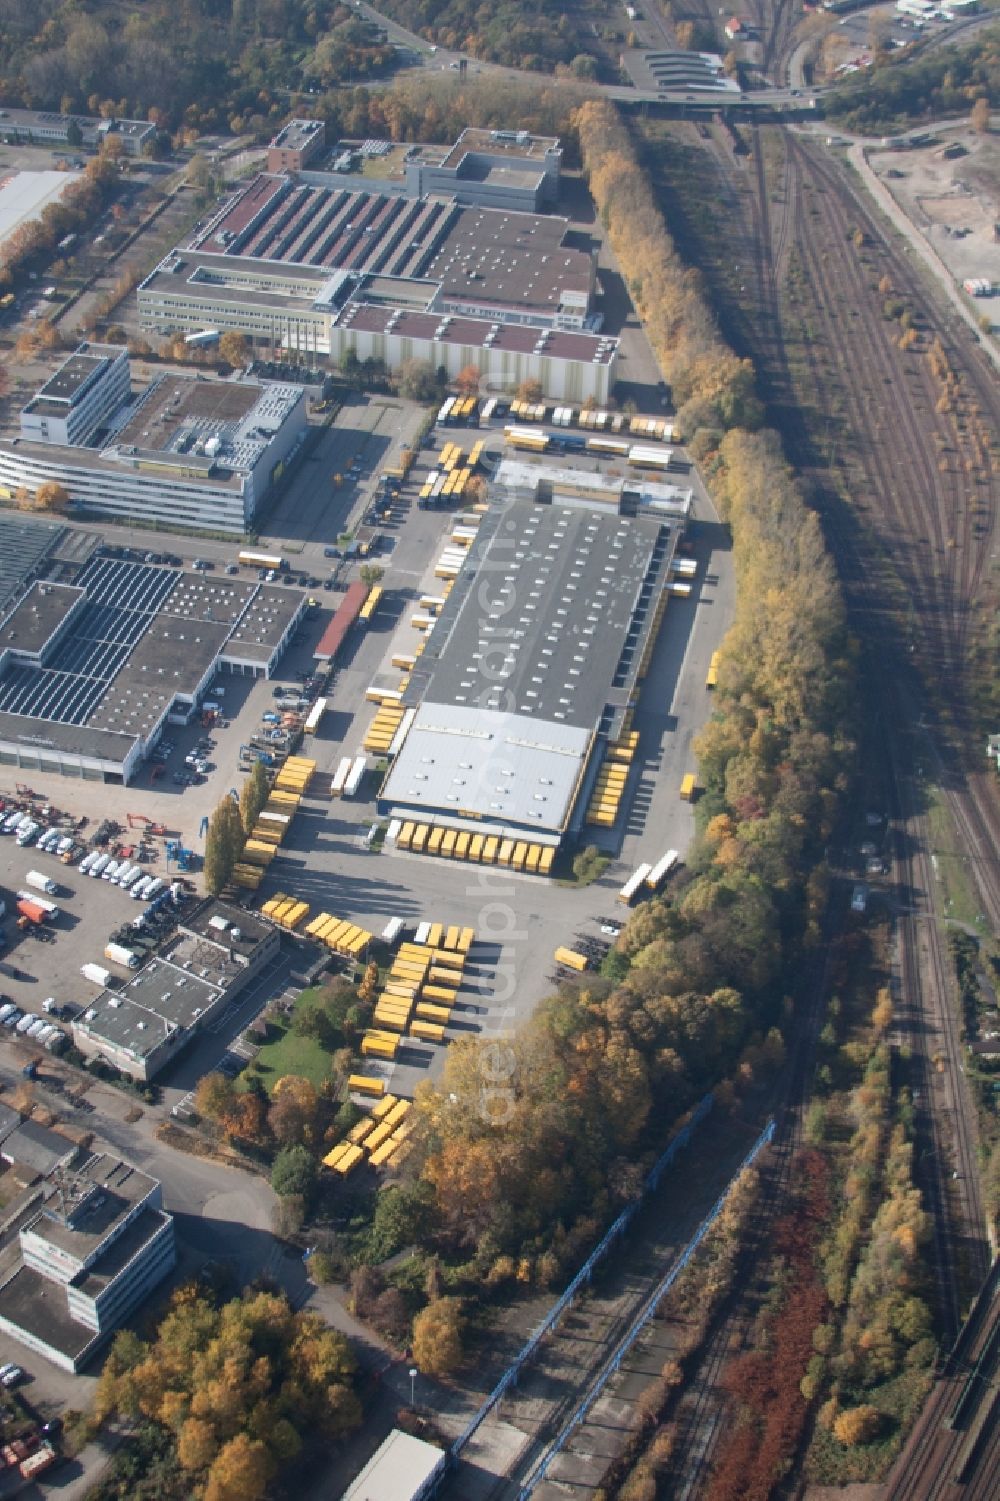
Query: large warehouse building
[183, 452]
[323, 269]
[531, 665]
[91, 671]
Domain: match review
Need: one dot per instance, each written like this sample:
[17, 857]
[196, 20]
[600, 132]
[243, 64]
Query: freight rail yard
[495, 703]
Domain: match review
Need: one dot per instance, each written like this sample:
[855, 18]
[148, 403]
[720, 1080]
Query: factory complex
[457, 269]
[183, 452]
[98, 654]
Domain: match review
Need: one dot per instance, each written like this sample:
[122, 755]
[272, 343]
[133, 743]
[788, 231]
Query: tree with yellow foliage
[437, 1337]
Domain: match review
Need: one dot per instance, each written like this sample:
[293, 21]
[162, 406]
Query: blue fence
[582, 1278]
[646, 1312]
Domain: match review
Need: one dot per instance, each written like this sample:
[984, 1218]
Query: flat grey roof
[157, 1002]
[504, 257]
[207, 921]
[297, 133]
[147, 1223]
[398, 1471]
[31, 624]
[478, 138]
[502, 768]
[217, 477]
[35, 1146]
[264, 622]
[68, 739]
[24, 545]
[86, 1204]
[172, 658]
[540, 617]
[31, 1302]
[76, 372]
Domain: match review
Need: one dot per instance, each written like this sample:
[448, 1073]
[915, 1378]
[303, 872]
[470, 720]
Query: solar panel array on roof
[24, 544]
[122, 598]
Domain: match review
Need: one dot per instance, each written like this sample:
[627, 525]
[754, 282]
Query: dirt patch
[954, 201]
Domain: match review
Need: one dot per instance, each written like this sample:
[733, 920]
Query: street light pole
[413, 1380]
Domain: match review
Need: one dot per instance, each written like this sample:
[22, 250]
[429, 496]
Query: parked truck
[41, 882]
[96, 974]
[128, 958]
[49, 908]
[29, 912]
[35, 1464]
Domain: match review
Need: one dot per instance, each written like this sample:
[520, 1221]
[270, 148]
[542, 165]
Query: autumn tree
[293, 1113]
[437, 1337]
[241, 1471]
[530, 391]
[214, 1097]
[51, 497]
[467, 380]
[253, 795]
[979, 119]
[223, 845]
[234, 349]
[857, 1425]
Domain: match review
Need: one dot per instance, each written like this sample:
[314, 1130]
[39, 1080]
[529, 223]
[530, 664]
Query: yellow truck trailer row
[477, 849]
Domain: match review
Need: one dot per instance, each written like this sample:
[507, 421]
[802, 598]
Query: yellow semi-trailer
[377, 1047]
[571, 959]
[405, 836]
[427, 1031]
[689, 787]
[466, 939]
[439, 975]
[421, 837]
[448, 843]
[362, 1084]
[451, 936]
[397, 1114]
[448, 959]
[476, 848]
[381, 1133]
[505, 851]
[426, 1012]
[434, 842]
[441, 995]
[462, 846]
[545, 863]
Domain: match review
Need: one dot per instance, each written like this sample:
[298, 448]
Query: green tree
[294, 1172]
[418, 381]
[371, 573]
[253, 796]
[74, 135]
[223, 845]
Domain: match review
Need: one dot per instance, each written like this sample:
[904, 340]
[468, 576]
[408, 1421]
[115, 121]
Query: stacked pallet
[477, 849]
[287, 911]
[339, 935]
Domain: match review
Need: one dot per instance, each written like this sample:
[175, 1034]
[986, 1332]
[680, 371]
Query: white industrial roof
[505, 769]
[398, 1471]
[23, 195]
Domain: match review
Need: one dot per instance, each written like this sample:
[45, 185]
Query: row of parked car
[131, 878]
[22, 825]
[45, 1033]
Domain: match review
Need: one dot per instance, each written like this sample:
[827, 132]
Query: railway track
[954, 1450]
[924, 993]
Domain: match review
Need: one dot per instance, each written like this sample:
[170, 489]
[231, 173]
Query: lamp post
[413, 1382]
